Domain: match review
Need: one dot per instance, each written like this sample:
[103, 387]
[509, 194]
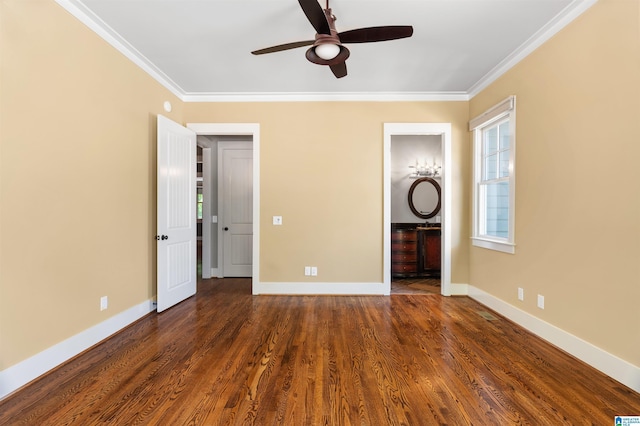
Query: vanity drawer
[404, 246]
[404, 257]
[404, 235]
[404, 268]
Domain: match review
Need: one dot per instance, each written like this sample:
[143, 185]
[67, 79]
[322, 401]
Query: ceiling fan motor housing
[331, 38]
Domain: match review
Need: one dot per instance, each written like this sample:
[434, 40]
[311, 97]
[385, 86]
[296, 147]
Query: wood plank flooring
[225, 357]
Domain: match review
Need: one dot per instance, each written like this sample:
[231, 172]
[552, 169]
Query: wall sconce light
[424, 170]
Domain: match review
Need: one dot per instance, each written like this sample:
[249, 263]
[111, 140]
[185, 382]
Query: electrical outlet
[314, 271]
[520, 293]
[540, 301]
[307, 270]
[104, 303]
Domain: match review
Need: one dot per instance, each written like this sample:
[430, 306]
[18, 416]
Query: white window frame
[505, 110]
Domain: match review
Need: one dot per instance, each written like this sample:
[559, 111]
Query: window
[494, 177]
[200, 199]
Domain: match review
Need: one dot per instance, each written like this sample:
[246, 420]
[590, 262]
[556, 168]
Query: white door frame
[444, 131]
[243, 129]
[206, 212]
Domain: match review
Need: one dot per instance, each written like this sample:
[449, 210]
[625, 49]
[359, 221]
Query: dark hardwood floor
[226, 357]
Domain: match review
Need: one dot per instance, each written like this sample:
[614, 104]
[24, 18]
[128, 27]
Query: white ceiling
[200, 49]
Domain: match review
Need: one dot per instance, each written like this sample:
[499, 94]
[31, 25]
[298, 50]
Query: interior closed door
[176, 213]
[236, 205]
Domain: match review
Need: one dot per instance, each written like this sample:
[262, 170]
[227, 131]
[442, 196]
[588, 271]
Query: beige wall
[577, 181]
[77, 188]
[77, 170]
[322, 170]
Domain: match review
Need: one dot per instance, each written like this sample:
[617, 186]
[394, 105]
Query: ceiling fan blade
[371, 34]
[316, 15]
[281, 47]
[339, 70]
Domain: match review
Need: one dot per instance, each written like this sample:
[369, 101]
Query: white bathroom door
[176, 215]
[236, 192]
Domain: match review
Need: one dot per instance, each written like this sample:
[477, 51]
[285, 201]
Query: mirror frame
[410, 198]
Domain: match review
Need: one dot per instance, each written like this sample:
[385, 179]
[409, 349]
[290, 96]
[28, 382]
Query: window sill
[502, 246]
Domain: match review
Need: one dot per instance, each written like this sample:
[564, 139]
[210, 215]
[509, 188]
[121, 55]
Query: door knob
[164, 237]
[226, 228]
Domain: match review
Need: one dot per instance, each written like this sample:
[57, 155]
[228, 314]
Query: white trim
[443, 130]
[206, 212]
[31, 368]
[325, 97]
[108, 34]
[561, 20]
[307, 288]
[617, 368]
[253, 130]
[494, 113]
[458, 289]
[502, 246]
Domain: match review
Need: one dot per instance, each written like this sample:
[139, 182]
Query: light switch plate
[277, 220]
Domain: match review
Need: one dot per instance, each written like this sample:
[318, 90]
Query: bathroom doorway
[418, 133]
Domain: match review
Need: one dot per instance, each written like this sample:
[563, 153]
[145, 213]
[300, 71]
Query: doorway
[443, 131]
[208, 134]
[416, 162]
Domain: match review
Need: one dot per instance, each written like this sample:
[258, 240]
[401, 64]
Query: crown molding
[561, 20]
[97, 25]
[326, 97]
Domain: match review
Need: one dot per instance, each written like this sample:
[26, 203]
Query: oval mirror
[424, 198]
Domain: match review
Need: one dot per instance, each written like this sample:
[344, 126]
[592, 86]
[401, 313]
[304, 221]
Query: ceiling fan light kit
[326, 51]
[327, 48]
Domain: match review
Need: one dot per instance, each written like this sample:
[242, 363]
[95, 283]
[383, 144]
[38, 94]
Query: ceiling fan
[327, 48]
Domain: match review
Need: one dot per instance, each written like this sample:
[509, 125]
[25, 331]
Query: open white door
[177, 256]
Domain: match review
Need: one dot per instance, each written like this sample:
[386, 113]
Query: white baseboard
[307, 288]
[614, 367]
[458, 289]
[24, 372]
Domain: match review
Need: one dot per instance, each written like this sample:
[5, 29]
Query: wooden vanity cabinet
[404, 252]
[415, 251]
[429, 240]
